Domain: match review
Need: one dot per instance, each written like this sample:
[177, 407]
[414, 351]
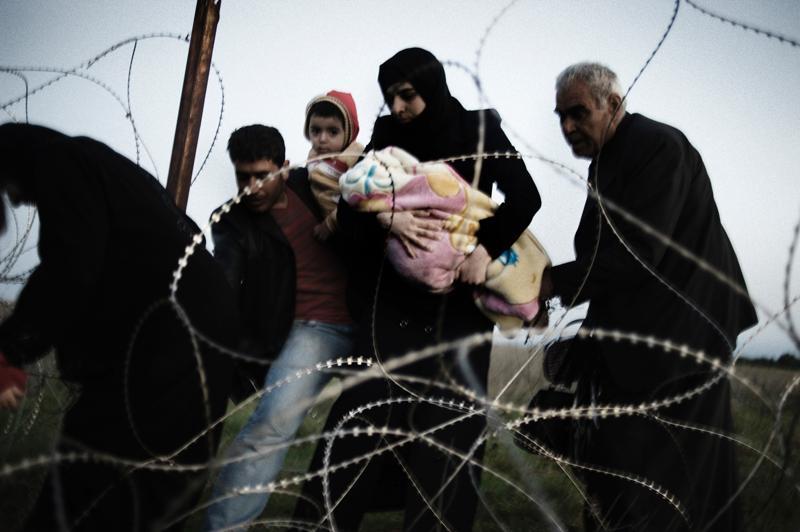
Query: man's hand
[542, 318]
[321, 232]
[473, 269]
[416, 230]
[10, 397]
[546, 288]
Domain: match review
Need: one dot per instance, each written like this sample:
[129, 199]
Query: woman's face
[405, 102]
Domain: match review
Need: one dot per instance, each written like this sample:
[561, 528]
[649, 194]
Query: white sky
[732, 92]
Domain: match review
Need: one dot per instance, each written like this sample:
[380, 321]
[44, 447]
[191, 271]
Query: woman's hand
[473, 269]
[12, 384]
[416, 229]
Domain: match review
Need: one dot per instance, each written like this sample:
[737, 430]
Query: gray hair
[601, 80]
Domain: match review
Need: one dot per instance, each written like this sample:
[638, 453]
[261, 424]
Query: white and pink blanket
[394, 179]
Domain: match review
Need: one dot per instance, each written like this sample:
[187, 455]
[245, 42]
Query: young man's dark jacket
[259, 263]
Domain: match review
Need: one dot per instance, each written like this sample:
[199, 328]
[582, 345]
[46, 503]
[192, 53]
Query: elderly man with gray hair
[655, 263]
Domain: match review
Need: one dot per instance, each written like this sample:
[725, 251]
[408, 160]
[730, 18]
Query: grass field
[770, 499]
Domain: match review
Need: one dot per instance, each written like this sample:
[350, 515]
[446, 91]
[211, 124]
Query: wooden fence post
[190, 113]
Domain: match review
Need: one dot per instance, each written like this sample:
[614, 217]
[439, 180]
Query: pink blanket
[393, 179]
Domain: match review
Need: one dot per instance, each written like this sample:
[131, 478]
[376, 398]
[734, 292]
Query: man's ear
[285, 173]
[2, 213]
[614, 102]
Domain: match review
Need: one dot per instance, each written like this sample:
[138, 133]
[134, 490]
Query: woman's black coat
[397, 316]
[110, 239]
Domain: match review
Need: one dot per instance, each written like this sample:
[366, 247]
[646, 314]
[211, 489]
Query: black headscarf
[435, 133]
[20, 146]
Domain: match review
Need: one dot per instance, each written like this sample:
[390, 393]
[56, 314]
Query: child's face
[326, 134]
[260, 199]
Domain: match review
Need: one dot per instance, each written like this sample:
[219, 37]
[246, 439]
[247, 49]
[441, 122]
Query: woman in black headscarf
[430, 124]
[109, 239]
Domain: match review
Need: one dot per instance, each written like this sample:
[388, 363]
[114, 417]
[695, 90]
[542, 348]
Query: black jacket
[651, 170]
[497, 233]
[259, 264]
[110, 237]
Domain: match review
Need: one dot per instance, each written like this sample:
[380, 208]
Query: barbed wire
[77, 71]
[466, 402]
[128, 94]
[745, 26]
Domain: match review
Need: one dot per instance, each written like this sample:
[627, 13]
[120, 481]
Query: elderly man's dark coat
[638, 283]
[110, 238]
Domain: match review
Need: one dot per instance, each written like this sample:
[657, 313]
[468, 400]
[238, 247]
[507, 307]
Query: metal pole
[190, 114]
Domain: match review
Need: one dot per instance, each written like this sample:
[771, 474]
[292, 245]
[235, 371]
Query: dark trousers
[153, 409]
[694, 470]
[422, 478]
[426, 481]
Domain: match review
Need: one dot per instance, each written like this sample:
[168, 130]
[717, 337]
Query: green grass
[27, 433]
[770, 502]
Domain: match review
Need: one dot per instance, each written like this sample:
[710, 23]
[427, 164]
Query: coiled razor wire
[472, 404]
[79, 72]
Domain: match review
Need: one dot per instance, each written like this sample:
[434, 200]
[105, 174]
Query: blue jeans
[275, 420]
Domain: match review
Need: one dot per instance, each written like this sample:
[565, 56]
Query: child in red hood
[332, 127]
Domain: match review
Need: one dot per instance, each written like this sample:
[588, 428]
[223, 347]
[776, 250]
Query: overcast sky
[734, 93]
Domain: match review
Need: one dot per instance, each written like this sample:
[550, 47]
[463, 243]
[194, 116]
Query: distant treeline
[786, 360]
